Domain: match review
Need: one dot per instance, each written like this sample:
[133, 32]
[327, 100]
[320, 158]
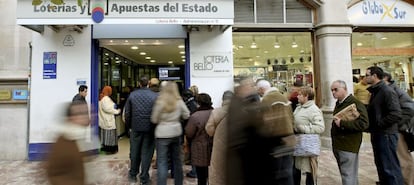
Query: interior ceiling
[160, 50]
[165, 50]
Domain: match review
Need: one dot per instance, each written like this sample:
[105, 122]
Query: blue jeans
[165, 146]
[385, 156]
[142, 146]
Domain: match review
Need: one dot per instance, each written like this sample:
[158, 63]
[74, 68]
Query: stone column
[333, 56]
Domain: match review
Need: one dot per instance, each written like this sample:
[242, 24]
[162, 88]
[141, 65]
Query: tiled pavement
[112, 171]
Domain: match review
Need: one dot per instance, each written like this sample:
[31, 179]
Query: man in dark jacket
[82, 92]
[138, 109]
[407, 113]
[384, 113]
[346, 134]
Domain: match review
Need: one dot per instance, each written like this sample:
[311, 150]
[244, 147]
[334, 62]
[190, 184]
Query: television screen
[169, 73]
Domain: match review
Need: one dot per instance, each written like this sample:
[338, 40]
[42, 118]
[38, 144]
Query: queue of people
[253, 137]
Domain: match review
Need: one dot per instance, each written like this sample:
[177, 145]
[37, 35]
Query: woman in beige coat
[216, 126]
[308, 120]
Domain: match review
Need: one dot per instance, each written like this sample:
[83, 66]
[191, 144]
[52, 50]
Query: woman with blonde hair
[107, 112]
[167, 112]
[308, 120]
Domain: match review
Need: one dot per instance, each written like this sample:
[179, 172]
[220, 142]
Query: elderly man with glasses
[347, 134]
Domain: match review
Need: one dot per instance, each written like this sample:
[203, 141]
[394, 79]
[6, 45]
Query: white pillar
[333, 40]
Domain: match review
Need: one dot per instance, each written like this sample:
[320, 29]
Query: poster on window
[49, 65]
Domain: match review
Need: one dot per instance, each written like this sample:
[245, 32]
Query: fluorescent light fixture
[142, 53]
[253, 46]
[241, 47]
[170, 62]
[276, 45]
[183, 60]
[359, 44]
[181, 46]
[148, 58]
[182, 52]
[126, 41]
[182, 56]
[134, 47]
[152, 61]
[384, 38]
[294, 44]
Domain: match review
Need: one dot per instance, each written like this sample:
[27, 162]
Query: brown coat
[216, 125]
[65, 163]
[201, 142]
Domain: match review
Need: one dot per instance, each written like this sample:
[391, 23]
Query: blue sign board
[49, 65]
[20, 94]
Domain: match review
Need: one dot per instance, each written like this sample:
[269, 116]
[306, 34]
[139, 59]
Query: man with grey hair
[347, 134]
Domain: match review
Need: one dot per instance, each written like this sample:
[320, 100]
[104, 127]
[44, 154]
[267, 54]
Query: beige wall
[14, 63]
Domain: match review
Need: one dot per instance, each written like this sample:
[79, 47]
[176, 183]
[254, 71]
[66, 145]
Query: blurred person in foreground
[346, 134]
[106, 113]
[249, 158]
[65, 161]
[308, 120]
[407, 113]
[384, 114]
[216, 127]
[138, 109]
[201, 142]
[167, 112]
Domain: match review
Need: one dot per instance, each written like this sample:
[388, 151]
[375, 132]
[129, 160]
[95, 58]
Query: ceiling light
[183, 60]
[359, 44]
[384, 38]
[152, 61]
[181, 46]
[182, 56]
[257, 56]
[182, 52]
[253, 45]
[170, 62]
[126, 40]
[106, 54]
[265, 52]
[142, 53]
[241, 47]
[277, 45]
[294, 45]
[111, 41]
[147, 58]
[134, 47]
[141, 40]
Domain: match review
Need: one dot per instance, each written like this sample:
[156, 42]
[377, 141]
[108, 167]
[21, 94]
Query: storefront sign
[381, 12]
[49, 65]
[20, 94]
[211, 64]
[213, 12]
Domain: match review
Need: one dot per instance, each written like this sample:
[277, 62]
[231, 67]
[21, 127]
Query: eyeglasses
[335, 89]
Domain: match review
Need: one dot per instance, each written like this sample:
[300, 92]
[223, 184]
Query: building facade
[54, 48]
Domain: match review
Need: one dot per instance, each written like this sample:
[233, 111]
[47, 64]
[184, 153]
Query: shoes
[190, 175]
[132, 179]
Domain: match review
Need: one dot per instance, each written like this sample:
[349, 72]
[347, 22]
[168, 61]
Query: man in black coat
[384, 113]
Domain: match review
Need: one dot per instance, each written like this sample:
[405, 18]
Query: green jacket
[348, 137]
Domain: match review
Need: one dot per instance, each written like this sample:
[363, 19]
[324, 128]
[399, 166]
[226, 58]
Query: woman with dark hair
[201, 142]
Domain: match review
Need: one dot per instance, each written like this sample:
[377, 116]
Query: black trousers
[202, 175]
